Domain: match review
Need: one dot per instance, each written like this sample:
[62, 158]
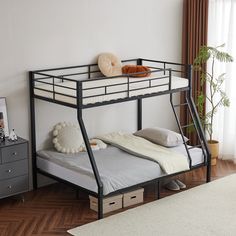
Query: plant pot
[214, 149]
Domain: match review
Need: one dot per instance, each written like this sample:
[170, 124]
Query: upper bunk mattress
[117, 169]
[101, 90]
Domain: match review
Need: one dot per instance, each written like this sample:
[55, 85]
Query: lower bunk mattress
[117, 169]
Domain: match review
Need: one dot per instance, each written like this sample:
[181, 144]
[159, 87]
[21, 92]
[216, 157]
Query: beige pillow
[67, 137]
[109, 64]
[161, 136]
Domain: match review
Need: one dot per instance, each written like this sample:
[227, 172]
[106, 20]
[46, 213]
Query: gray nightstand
[14, 167]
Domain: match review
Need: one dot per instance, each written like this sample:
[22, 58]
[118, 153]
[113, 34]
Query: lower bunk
[119, 171]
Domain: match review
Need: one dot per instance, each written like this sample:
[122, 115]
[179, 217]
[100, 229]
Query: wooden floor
[54, 209]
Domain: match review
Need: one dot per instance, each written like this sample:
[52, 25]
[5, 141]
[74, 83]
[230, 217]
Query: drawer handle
[9, 186]
[14, 153]
[9, 171]
[133, 197]
[111, 203]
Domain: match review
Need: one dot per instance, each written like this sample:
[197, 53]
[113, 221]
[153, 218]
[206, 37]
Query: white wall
[51, 33]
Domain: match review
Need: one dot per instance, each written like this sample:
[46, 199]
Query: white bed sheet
[87, 181]
[118, 85]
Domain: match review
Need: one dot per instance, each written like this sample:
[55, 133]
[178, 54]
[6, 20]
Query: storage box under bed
[117, 202]
[109, 204]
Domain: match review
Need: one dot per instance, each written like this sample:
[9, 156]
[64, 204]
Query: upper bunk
[84, 86]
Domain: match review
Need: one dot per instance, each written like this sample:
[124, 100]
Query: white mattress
[120, 176]
[118, 85]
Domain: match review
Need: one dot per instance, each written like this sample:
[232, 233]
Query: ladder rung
[181, 104]
[197, 146]
[185, 126]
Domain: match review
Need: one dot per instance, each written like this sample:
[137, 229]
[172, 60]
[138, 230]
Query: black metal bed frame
[90, 71]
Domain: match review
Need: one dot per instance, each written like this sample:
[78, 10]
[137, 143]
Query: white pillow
[67, 137]
[161, 136]
[109, 64]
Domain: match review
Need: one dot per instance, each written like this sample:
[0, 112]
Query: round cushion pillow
[109, 64]
[129, 69]
[67, 137]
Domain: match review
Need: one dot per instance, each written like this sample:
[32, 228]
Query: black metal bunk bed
[56, 77]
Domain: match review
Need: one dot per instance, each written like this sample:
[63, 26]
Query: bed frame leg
[208, 171]
[100, 206]
[33, 131]
[158, 190]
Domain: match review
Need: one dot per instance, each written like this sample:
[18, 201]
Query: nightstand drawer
[11, 170]
[14, 186]
[14, 152]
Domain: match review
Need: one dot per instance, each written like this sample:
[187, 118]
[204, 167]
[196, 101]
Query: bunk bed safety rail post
[139, 104]
[33, 134]
[170, 78]
[139, 61]
[53, 87]
[198, 122]
[89, 71]
[128, 86]
[88, 147]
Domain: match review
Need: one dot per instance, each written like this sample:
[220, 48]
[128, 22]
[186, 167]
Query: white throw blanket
[171, 162]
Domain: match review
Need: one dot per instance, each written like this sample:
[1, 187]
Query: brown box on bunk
[132, 198]
[109, 204]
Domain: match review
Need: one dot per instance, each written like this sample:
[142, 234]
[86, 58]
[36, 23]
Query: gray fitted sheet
[117, 168]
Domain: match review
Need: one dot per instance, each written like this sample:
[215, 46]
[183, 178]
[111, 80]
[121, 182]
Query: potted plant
[215, 96]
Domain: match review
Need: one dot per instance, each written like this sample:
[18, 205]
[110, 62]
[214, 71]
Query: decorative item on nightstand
[3, 117]
[14, 170]
[12, 136]
[2, 135]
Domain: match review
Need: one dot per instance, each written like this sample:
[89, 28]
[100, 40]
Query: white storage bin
[109, 204]
[132, 198]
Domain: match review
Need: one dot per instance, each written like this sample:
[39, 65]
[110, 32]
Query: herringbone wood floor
[54, 209]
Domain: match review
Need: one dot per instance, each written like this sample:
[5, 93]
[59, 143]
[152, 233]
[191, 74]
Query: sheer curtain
[222, 29]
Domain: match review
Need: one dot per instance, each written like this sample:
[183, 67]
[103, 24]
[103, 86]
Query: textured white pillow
[67, 137]
[164, 137]
[109, 64]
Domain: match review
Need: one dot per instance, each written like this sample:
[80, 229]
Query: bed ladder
[196, 123]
